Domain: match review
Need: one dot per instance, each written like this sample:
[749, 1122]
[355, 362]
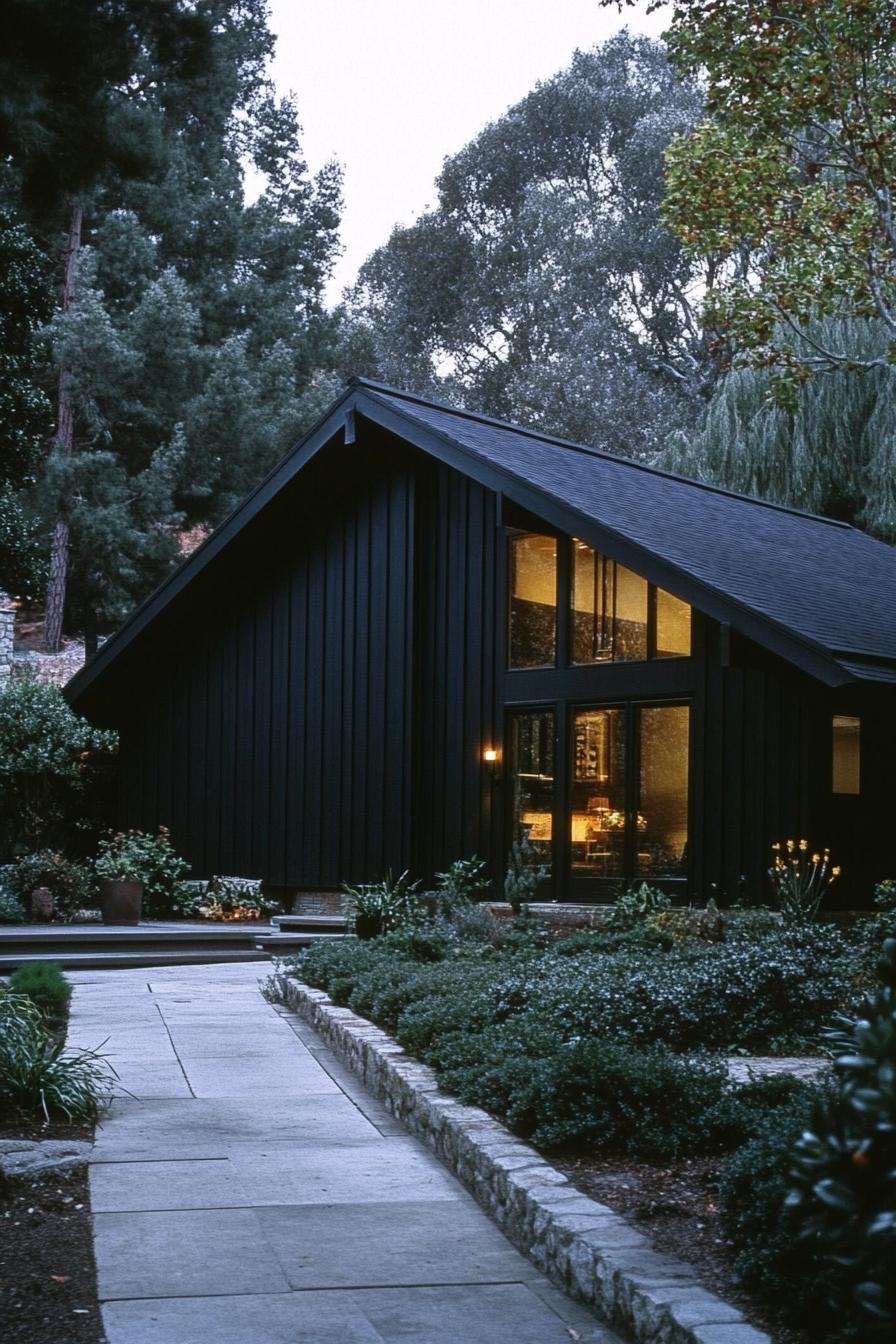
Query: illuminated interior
[611, 613]
[533, 601]
[847, 760]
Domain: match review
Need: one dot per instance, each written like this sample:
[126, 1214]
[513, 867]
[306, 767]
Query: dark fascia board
[211, 548]
[811, 658]
[359, 399]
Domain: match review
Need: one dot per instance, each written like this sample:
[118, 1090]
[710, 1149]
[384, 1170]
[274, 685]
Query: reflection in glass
[533, 601]
[597, 812]
[609, 609]
[847, 758]
[532, 779]
[673, 626]
[662, 835]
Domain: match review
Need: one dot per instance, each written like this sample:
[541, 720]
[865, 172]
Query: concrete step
[309, 923]
[110, 936]
[93, 960]
[276, 943]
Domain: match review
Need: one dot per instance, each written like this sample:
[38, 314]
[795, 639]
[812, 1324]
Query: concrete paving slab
[185, 1253]
[144, 1187]
[252, 1078]
[478, 1314]
[290, 1209]
[150, 1081]
[390, 1244]
[345, 1174]
[210, 1127]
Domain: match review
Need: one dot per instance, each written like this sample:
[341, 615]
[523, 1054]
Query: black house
[427, 630]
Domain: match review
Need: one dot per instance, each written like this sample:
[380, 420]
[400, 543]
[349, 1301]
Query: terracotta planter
[121, 902]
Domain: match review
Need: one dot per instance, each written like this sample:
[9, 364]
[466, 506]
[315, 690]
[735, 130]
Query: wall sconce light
[491, 758]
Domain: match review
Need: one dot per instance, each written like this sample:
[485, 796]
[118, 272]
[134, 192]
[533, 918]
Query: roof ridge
[616, 458]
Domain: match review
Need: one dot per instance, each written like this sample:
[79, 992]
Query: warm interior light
[490, 755]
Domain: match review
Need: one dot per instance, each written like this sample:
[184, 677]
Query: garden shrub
[51, 764]
[843, 1196]
[770, 1256]
[647, 1102]
[140, 856]
[38, 1075]
[45, 985]
[71, 884]
[12, 911]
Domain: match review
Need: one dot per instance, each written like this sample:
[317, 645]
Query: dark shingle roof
[815, 591]
[823, 580]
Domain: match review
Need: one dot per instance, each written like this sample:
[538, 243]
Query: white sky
[390, 87]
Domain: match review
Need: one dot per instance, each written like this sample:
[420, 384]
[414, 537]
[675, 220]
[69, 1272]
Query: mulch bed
[47, 1271]
[674, 1204]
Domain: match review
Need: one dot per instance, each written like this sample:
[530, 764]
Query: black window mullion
[564, 602]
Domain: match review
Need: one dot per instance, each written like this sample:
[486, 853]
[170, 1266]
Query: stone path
[247, 1190]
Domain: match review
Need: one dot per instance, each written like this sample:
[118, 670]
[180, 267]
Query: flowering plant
[800, 879]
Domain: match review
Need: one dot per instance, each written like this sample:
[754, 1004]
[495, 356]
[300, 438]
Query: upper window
[533, 601]
[619, 617]
[846, 754]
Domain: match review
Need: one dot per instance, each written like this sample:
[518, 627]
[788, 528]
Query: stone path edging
[588, 1248]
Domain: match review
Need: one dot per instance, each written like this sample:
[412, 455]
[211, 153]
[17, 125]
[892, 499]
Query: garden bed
[47, 1271]
[676, 1204]
[609, 1049]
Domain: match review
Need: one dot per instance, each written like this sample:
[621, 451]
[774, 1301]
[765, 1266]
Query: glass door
[532, 781]
[628, 797]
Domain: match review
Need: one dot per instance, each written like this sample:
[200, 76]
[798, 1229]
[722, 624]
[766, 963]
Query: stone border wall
[586, 1247]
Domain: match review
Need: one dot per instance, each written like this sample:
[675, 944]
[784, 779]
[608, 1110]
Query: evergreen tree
[24, 408]
[833, 453]
[187, 351]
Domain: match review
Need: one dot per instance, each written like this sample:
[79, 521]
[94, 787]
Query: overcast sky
[390, 87]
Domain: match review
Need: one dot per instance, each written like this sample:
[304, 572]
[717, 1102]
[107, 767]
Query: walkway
[250, 1191]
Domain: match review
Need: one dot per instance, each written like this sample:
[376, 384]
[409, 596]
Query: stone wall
[57, 668]
[584, 1246]
[7, 631]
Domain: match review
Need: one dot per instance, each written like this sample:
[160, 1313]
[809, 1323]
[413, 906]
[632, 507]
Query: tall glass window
[598, 804]
[610, 613]
[847, 761]
[661, 820]
[673, 626]
[533, 601]
[531, 761]
[609, 609]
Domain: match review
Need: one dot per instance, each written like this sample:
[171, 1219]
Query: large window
[662, 803]
[619, 617]
[533, 601]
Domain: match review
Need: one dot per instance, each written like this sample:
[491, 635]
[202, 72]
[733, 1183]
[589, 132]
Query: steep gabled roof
[817, 592]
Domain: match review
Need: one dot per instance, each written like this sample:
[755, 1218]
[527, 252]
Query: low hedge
[606, 1040]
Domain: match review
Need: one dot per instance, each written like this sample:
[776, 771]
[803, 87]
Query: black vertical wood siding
[273, 734]
[456, 706]
[316, 709]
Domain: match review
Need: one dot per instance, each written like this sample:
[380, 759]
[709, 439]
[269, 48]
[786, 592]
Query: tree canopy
[787, 183]
[544, 286]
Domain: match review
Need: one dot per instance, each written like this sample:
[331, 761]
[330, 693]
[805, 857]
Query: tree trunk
[65, 437]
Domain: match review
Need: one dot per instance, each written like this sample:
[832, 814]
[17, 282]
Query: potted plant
[120, 867]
